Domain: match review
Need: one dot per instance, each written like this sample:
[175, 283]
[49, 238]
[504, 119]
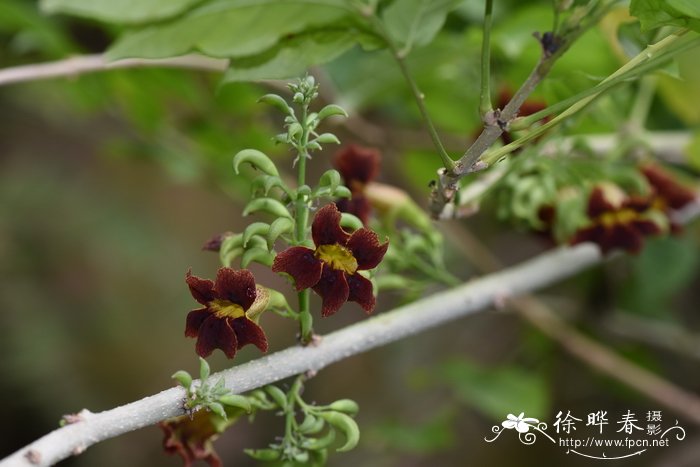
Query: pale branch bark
[416, 317]
[380, 330]
[587, 350]
[655, 332]
[78, 65]
[598, 356]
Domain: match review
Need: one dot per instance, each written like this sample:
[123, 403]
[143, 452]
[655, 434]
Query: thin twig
[485, 100]
[75, 66]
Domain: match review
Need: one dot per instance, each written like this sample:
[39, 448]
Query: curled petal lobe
[357, 164]
[201, 289]
[333, 289]
[366, 248]
[326, 229]
[247, 332]
[235, 286]
[195, 318]
[300, 263]
[216, 333]
[361, 292]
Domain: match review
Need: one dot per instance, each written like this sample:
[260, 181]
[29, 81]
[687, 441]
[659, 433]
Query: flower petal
[598, 203]
[357, 164]
[195, 318]
[366, 248]
[235, 286]
[674, 194]
[326, 229]
[522, 427]
[361, 292]
[248, 332]
[333, 288]
[646, 227]
[201, 289]
[216, 333]
[627, 238]
[300, 263]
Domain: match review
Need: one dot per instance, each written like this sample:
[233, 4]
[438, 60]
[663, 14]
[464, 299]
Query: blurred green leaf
[693, 151]
[496, 391]
[119, 11]
[682, 95]
[433, 435]
[663, 267]
[656, 13]
[291, 56]
[230, 28]
[416, 22]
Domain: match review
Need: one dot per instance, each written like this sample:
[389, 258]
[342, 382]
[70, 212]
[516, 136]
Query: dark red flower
[331, 269]
[192, 438]
[223, 323]
[617, 221]
[668, 193]
[358, 166]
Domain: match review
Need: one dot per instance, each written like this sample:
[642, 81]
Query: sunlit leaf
[119, 11]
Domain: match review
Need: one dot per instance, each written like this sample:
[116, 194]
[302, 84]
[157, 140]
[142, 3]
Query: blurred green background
[111, 182]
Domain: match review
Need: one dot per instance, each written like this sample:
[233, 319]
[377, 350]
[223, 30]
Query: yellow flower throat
[623, 216]
[338, 257]
[226, 309]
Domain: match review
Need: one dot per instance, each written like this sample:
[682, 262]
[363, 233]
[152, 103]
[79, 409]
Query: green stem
[642, 104]
[419, 97]
[485, 106]
[302, 217]
[649, 58]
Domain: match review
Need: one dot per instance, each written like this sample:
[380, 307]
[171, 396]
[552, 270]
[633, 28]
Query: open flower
[192, 438]
[331, 269]
[223, 323]
[521, 424]
[617, 221]
[667, 192]
[358, 166]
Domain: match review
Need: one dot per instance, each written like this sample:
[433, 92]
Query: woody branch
[477, 295]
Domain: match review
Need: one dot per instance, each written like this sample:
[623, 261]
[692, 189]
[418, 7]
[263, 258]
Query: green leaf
[236, 400]
[496, 391]
[689, 8]
[230, 28]
[416, 22]
[650, 292]
[119, 11]
[277, 395]
[256, 228]
[183, 377]
[257, 159]
[204, 370]
[269, 205]
[292, 56]
[653, 14]
[347, 425]
[259, 255]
